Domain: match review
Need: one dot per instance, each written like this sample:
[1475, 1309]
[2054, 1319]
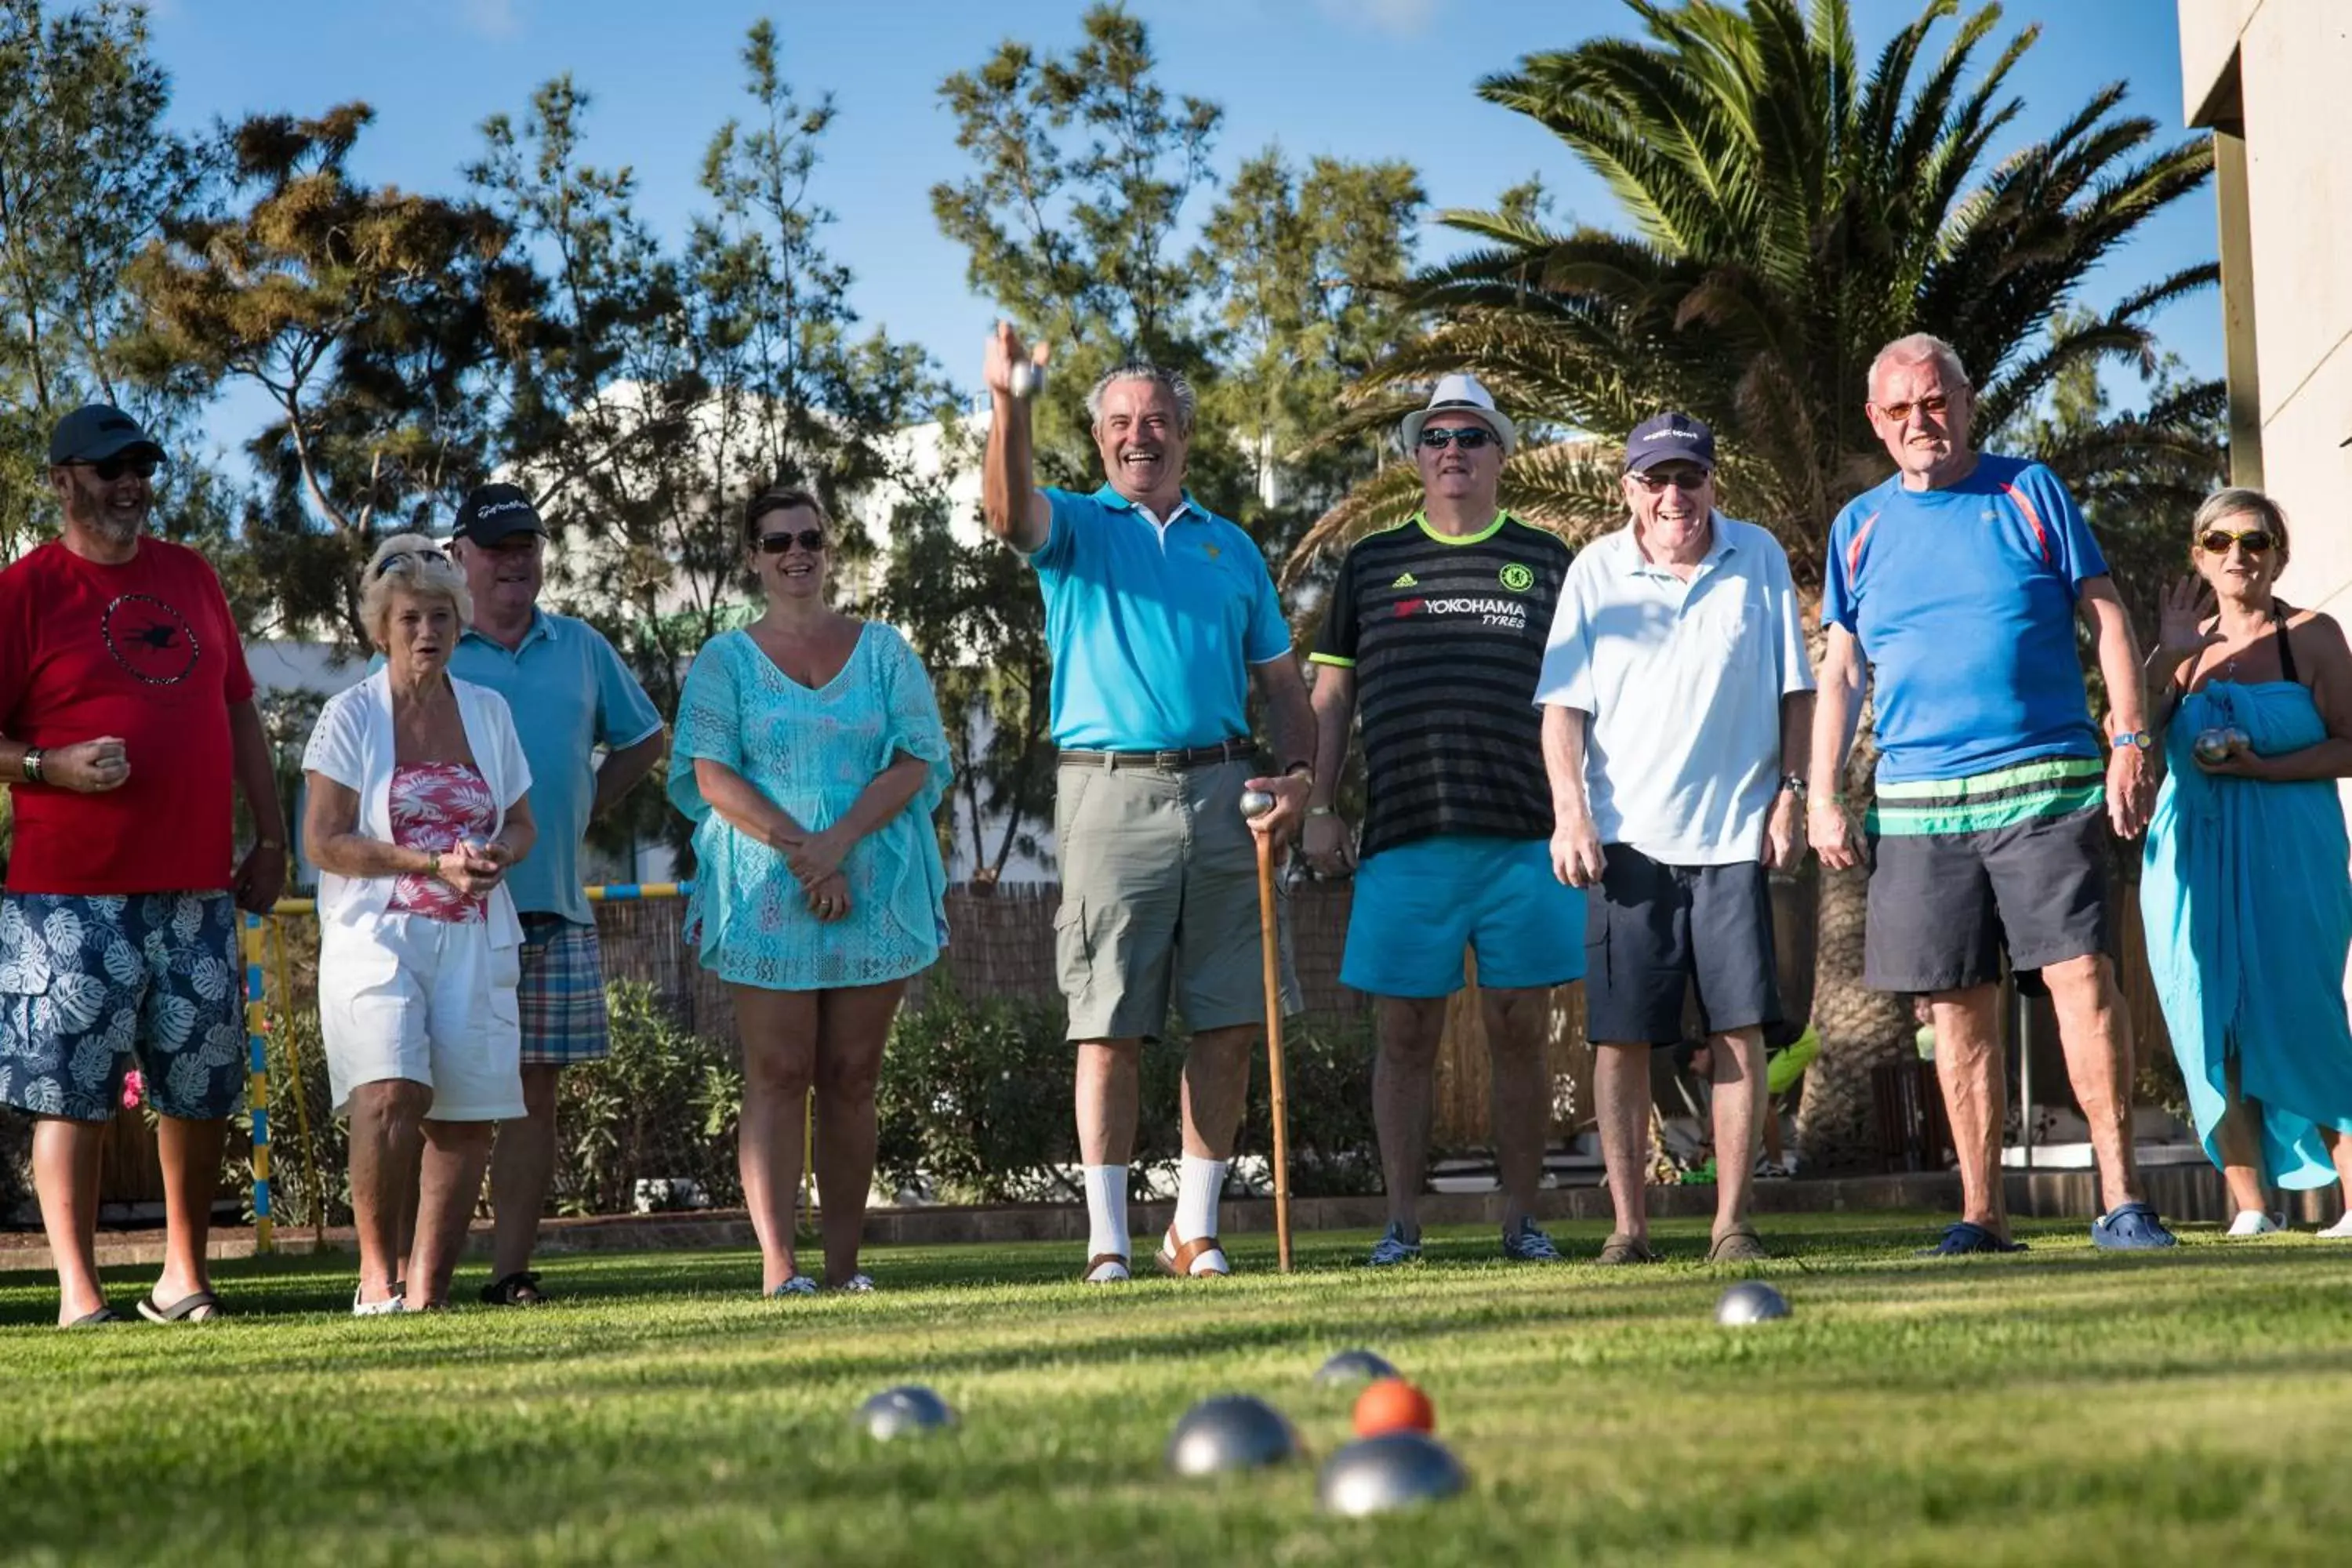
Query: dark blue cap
[1669, 437]
[96, 432]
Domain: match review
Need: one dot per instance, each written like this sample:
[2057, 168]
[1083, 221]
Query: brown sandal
[1087, 1275]
[1177, 1257]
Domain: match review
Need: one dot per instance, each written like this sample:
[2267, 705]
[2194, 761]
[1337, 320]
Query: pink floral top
[434, 804]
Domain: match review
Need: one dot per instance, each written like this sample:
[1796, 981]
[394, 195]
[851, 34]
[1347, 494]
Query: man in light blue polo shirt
[1160, 617]
[1677, 713]
[570, 694]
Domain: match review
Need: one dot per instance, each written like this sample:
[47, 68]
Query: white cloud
[491, 18]
[1397, 18]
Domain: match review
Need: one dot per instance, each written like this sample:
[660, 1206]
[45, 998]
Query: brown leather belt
[1197, 757]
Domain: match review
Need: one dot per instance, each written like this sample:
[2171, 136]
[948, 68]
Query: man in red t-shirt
[127, 714]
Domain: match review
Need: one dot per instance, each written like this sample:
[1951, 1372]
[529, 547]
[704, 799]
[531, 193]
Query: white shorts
[407, 996]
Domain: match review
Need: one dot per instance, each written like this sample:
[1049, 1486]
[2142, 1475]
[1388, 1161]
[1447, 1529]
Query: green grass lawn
[2059, 1406]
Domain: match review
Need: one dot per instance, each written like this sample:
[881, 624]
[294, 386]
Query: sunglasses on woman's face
[809, 538]
[2253, 541]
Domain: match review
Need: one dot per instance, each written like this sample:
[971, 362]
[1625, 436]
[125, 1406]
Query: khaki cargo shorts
[1160, 902]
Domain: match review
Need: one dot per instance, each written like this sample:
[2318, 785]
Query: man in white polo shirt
[1677, 701]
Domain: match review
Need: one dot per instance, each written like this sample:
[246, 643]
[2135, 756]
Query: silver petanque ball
[908, 1410]
[1750, 1301]
[2238, 739]
[1231, 1432]
[1028, 379]
[2211, 745]
[1393, 1471]
[1256, 803]
[1354, 1367]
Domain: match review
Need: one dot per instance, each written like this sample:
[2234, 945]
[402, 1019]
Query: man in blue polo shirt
[1677, 700]
[1160, 617]
[570, 694]
[1957, 583]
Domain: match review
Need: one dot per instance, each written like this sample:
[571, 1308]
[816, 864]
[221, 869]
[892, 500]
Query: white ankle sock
[1106, 1209]
[1199, 1184]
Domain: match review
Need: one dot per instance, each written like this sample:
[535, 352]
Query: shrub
[661, 1107]
[975, 1100]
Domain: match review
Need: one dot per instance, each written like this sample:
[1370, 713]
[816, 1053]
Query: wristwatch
[1793, 784]
[1301, 767]
[2139, 737]
[32, 764]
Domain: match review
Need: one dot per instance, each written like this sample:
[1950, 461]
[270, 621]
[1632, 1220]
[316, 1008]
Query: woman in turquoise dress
[810, 757]
[2245, 892]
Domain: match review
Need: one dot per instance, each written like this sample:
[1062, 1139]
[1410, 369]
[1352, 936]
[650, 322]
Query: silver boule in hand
[1028, 379]
[1256, 803]
[2212, 745]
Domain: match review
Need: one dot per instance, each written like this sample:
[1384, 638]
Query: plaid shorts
[90, 982]
[562, 994]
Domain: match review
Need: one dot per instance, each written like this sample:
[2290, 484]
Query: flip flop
[520, 1288]
[92, 1319]
[201, 1307]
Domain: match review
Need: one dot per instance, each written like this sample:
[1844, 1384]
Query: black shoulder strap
[2280, 611]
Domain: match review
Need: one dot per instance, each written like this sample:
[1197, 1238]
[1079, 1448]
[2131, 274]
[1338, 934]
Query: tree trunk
[1860, 1029]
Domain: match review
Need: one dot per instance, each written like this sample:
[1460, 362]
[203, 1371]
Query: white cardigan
[352, 744]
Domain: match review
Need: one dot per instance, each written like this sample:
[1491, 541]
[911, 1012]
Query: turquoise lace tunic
[813, 753]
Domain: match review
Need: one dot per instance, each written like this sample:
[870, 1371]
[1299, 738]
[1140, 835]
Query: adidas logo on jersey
[1405, 580]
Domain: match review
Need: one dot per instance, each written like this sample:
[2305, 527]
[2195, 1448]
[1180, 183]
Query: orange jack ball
[1392, 1405]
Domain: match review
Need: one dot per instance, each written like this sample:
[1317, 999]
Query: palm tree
[1790, 214]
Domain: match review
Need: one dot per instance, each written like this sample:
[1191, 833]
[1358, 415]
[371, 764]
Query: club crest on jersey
[1517, 577]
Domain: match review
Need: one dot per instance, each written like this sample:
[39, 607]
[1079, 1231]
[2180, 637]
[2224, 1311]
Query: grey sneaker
[1528, 1244]
[1392, 1248]
[1622, 1248]
[1739, 1245]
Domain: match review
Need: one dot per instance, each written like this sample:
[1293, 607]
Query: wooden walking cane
[1257, 803]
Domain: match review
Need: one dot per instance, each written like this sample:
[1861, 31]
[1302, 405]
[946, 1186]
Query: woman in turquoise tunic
[810, 757]
[2245, 891]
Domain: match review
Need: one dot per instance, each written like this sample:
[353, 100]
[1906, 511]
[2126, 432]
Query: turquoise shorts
[1419, 905]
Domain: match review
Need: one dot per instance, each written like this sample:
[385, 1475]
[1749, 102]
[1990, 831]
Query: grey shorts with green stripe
[1963, 869]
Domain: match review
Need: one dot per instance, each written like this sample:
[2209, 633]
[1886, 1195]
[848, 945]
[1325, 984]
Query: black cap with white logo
[493, 512]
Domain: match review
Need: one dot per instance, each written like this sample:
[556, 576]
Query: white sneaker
[376, 1308]
[2254, 1222]
[2340, 1231]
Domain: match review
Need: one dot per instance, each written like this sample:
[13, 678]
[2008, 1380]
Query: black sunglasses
[1688, 480]
[809, 538]
[384, 565]
[110, 470]
[1469, 438]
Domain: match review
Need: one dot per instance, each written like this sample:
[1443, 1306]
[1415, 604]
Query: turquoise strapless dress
[2247, 902]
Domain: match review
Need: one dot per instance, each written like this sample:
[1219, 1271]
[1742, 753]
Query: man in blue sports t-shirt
[1957, 583]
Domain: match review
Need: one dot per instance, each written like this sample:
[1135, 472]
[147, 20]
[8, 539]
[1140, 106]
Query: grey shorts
[1653, 932]
[1158, 900]
[1943, 906]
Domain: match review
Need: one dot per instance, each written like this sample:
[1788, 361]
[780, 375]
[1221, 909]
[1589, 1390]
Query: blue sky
[1363, 79]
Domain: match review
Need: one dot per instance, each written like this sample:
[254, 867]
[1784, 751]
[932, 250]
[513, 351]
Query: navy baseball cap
[1670, 437]
[97, 431]
[493, 512]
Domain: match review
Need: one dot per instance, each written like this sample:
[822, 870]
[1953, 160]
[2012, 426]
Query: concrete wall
[2275, 72]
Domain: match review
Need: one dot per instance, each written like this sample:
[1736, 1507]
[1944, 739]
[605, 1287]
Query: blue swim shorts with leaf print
[89, 983]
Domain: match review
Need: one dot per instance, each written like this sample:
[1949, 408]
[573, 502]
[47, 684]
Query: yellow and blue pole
[257, 1081]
